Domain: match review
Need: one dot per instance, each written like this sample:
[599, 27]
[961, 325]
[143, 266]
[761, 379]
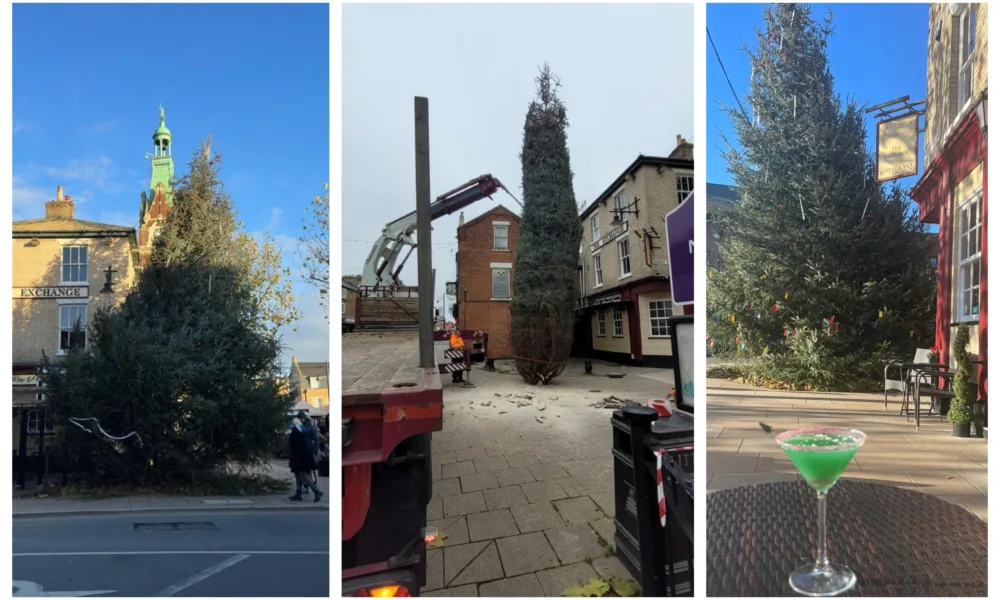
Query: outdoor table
[898, 542]
[918, 374]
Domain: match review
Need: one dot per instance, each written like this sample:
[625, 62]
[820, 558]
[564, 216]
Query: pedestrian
[302, 460]
[313, 431]
[456, 343]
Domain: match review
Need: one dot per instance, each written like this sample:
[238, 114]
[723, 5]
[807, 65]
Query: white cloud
[98, 172]
[275, 219]
[102, 127]
[22, 126]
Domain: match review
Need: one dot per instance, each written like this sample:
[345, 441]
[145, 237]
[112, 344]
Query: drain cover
[202, 526]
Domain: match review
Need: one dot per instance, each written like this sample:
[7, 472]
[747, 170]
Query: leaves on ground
[595, 588]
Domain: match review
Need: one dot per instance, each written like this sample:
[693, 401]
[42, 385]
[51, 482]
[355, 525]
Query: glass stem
[822, 560]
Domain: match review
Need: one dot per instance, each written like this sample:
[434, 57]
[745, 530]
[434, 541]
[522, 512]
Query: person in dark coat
[301, 459]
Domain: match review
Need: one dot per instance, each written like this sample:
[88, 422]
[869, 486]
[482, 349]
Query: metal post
[22, 449]
[42, 466]
[425, 277]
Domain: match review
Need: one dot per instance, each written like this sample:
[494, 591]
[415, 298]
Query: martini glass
[821, 454]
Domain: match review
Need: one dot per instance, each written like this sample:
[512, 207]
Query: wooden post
[425, 276]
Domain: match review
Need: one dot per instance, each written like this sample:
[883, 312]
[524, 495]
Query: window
[618, 322]
[970, 244]
[34, 418]
[685, 185]
[501, 284]
[343, 308]
[598, 276]
[69, 316]
[74, 264]
[595, 227]
[602, 323]
[343, 293]
[966, 44]
[659, 311]
[314, 383]
[620, 206]
[500, 236]
[624, 264]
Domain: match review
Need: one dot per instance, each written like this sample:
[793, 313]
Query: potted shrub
[961, 412]
[934, 356]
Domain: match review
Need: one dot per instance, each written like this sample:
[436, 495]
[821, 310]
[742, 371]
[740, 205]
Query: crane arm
[381, 267]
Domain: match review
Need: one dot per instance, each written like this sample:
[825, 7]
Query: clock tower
[155, 203]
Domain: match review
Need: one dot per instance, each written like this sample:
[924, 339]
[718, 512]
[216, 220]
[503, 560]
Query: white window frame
[84, 265]
[684, 190]
[59, 349]
[602, 323]
[620, 205]
[624, 259]
[598, 273]
[972, 261]
[656, 321]
[617, 322]
[34, 416]
[505, 226]
[343, 308]
[966, 14]
[343, 293]
[494, 267]
[595, 226]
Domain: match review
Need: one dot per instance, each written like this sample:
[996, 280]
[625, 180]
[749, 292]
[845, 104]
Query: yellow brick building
[64, 271]
[624, 271]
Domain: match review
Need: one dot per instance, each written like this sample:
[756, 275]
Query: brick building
[625, 283]
[485, 266]
[348, 299]
[156, 202]
[311, 383]
[61, 277]
[952, 192]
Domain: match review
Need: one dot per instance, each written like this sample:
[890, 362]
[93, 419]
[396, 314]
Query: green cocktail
[821, 454]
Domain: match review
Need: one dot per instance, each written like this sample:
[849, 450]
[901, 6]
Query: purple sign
[679, 225]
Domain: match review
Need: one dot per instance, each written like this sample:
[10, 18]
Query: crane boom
[381, 268]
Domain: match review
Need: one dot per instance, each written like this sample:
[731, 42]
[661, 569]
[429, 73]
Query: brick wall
[476, 309]
[36, 321]
[942, 72]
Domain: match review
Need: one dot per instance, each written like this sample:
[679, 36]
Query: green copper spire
[162, 160]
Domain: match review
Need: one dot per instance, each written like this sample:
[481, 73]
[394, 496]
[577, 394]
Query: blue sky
[878, 52]
[88, 80]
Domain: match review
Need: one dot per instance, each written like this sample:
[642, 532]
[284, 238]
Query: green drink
[821, 454]
[820, 458]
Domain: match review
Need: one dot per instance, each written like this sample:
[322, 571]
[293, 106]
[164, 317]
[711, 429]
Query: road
[210, 554]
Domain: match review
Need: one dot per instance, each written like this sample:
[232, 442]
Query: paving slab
[610, 566]
[575, 543]
[447, 487]
[543, 491]
[547, 471]
[457, 558]
[458, 469]
[479, 481]
[469, 454]
[504, 497]
[578, 510]
[462, 591]
[464, 504]
[435, 571]
[514, 476]
[485, 567]
[606, 529]
[443, 458]
[521, 460]
[606, 502]
[536, 517]
[582, 486]
[455, 530]
[522, 586]
[555, 581]
[435, 509]
[490, 463]
[490, 525]
[526, 553]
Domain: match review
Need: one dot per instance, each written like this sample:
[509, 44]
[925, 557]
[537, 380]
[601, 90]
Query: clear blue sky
[878, 52]
[87, 83]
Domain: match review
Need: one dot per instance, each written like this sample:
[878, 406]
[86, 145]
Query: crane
[383, 265]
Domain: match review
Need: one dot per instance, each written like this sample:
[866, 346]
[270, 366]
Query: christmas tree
[823, 274]
[546, 280]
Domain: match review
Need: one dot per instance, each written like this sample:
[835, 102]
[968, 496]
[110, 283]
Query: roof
[33, 227]
[314, 369]
[493, 211]
[348, 286]
[641, 161]
[720, 196]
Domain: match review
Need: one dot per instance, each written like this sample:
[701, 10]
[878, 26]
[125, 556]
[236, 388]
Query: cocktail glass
[821, 454]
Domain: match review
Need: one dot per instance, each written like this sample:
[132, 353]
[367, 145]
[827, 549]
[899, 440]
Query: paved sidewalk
[523, 483]
[929, 461]
[52, 506]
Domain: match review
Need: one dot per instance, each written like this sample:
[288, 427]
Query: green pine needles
[823, 274]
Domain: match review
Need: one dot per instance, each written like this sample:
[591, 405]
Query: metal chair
[903, 382]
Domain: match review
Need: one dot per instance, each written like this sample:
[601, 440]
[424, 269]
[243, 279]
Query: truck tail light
[386, 591]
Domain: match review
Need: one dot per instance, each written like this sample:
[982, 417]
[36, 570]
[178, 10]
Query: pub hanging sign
[605, 239]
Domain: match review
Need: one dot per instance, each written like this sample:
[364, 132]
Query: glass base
[810, 580]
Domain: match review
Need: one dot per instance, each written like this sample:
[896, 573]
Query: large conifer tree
[546, 279]
[823, 273]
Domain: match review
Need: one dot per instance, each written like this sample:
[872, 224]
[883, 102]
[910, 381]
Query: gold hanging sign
[896, 154]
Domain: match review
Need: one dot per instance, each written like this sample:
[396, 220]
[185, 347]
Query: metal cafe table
[898, 542]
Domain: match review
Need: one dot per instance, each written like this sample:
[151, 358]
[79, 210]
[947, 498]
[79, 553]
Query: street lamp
[108, 284]
[981, 113]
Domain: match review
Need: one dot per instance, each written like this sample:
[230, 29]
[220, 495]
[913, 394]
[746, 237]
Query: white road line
[183, 585]
[168, 552]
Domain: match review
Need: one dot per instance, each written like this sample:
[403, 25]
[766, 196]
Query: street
[258, 554]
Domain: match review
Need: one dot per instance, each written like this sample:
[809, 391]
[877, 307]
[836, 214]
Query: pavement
[206, 554]
[523, 482]
[930, 461]
[47, 506]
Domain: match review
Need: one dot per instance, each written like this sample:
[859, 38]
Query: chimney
[680, 139]
[461, 218]
[60, 208]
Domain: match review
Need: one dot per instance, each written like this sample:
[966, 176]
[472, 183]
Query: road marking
[222, 566]
[168, 552]
[34, 590]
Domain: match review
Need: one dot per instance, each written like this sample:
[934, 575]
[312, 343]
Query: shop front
[32, 428]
